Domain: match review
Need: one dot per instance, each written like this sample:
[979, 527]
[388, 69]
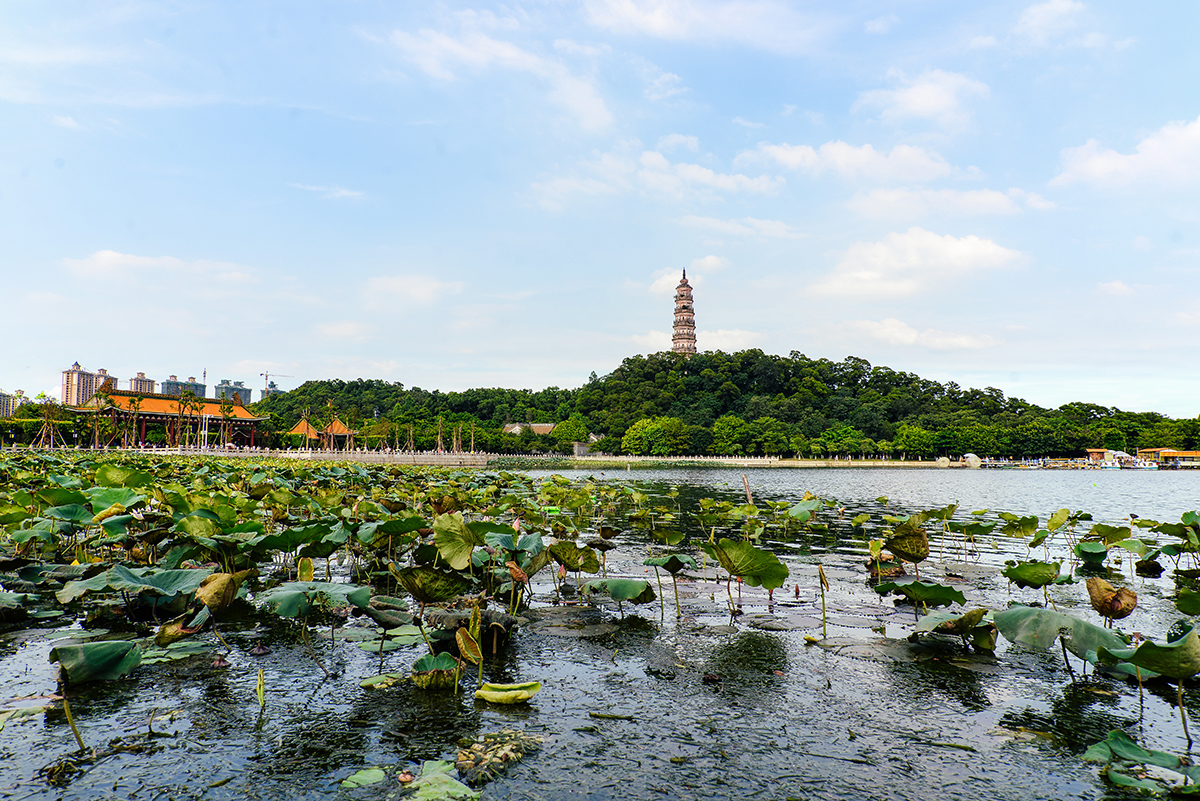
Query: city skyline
[461, 195]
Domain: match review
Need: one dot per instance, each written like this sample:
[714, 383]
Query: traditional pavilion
[205, 418]
[306, 430]
[336, 436]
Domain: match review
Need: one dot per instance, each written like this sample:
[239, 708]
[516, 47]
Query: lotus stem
[1070, 670]
[824, 630]
[675, 582]
[1182, 714]
[75, 729]
[662, 606]
[311, 652]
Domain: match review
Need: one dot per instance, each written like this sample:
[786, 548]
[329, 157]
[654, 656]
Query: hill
[746, 402]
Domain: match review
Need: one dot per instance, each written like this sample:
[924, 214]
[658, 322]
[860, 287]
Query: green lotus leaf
[110, 475]
[672, 563]
[1178, 659]
[1091, 551]
[296, 598]
[60, 496]
[71, 513]
[1040, 628]
[948, 623]
[96, 661]
[1188, 602]
[430, 662]
[636, 591]
[455, 540]
[364, 778]
[436, 784]
[929, 593]
[428, 584]
[508, 693]
[756, 566]
[104, 497]
[574, 558]
[1032, 574]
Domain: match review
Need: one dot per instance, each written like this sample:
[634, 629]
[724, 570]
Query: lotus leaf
[756, 566]
[296, 598]
[574, 558]
[219, 590]
[455, 540]
[363, 778]
[428, 584]
[1109, 601]
[1032, 574]
[929, 593]
[1040, 628]
[672, 563]
[1178, 659]
[636, 591]
[104, 497]
[110, 475]
[382, 681]
[58, 496]
[1188, 602]
[96, 661]
[435, 784]
[70, 513]
[947, 623]
[508, 693]
[909, 541]
[1124, 764]
[1091, 552]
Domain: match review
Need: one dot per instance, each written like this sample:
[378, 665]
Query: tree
[731, 436]
[656, 436]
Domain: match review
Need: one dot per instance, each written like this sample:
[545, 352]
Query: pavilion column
[252, 435]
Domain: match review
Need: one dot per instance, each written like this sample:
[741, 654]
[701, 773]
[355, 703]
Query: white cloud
[906, 263]
[728, 340]
[65, 122]
[910, 203]
[109, 264]
[745, 123]
[708, 264]
[895, 332]
[1169, 156]
[907, 163]
[650, 172]
[653, 341]
[1142, 243]
[334, 192]
[980, 42]
[386, 290]
[1042, 22]
[881, 24]
[659, 176]
[439, 55]
[765, 24]
[343, 329]
[935, 95]
[671, 141]
[745, 226]
[1117, 289]
[662, 85]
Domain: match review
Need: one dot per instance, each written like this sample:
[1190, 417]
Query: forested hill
[747, 402]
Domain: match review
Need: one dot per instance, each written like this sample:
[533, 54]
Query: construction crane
[267, 379]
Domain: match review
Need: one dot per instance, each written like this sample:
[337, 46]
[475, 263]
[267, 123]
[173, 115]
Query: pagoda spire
[684, 338]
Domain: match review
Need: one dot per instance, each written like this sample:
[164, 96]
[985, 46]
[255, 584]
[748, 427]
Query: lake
[703, 706]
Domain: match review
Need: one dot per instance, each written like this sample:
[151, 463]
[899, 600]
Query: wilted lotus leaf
[910, 542]
[428, 584]
[574, 558]
[1110, 602]
[508, 693]
[518, 575]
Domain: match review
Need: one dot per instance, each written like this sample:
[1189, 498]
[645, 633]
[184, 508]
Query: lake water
[1109, 495]
[712, 707]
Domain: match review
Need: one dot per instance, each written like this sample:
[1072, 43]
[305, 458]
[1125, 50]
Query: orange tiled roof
[305, 428]
[169, 405]
[337, 428]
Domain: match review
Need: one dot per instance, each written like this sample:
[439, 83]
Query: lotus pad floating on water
[508, 693]
[489, 756]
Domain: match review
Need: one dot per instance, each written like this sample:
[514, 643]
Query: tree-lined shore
[745, 403]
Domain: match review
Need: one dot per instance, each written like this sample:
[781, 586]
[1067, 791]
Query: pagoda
[684, 338]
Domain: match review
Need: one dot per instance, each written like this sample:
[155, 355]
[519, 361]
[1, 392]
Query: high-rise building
[9, 403]
[141, 384]
[78, 385]
[684, 338]
[225, 389]
[271, 390]
[173, 386]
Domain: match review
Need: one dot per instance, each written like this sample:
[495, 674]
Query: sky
[474, 195]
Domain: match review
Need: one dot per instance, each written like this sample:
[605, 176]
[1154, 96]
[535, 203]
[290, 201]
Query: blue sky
[458, 195]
